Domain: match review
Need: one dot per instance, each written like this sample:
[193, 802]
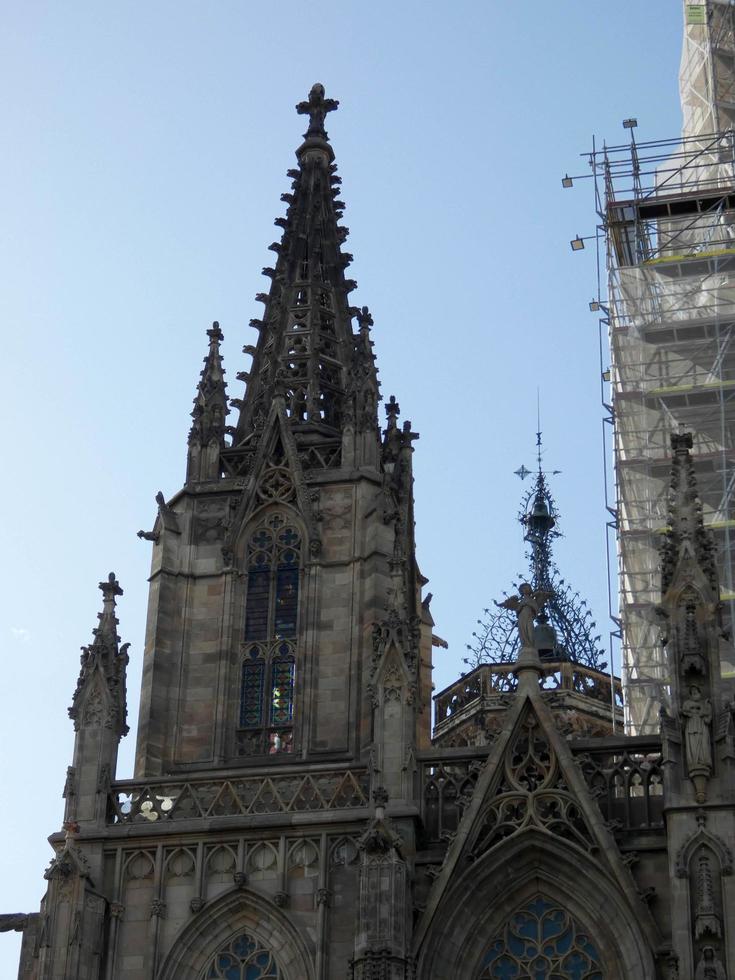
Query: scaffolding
[707, 73]
[666, 238]
[667, 212]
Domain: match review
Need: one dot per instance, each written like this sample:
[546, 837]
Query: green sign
[696, 14]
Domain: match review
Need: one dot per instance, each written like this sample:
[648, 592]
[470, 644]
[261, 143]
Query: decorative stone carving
[710, 966]
[13, 922]
[69, 788]
[323, 896]
[697, 712]
[670, 965]
[706, 919]
[94, 710]
[527, 606]
[104, 778]
[703, 836]
[210, 521]
[531, 793]
[336, 511]
[158, 908]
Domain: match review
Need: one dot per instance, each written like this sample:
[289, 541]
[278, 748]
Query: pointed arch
[476, 908]
[271, 556]
[275, 476]
[703, 837]
[221, 922]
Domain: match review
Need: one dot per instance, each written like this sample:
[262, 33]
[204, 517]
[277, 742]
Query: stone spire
[100, 696]
[686, 536]
[307, 352]
[206, 437]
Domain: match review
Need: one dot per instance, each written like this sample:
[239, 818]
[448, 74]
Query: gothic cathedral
[291, 815]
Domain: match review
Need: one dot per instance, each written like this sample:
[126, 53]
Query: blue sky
[145, 154]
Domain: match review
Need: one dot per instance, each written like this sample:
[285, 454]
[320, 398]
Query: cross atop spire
[110, 588]
[316, 107]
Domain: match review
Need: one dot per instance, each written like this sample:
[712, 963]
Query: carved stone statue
[698, 714]
[710, 966]
[527, 607]
[696, 717]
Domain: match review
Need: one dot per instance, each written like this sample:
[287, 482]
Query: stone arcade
[290, 815]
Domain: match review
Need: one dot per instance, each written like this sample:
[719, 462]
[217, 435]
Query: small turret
[207, 434]
[691, 617]
[99, 712]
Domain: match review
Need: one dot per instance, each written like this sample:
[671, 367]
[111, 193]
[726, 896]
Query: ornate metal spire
[307, 352]
[565, 626]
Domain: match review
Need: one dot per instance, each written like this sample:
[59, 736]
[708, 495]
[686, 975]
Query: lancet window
[268, 670]
[542, 941]
[244, 958]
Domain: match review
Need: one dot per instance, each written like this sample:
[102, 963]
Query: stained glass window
[251, 699]
[542, 941]
[271, 621]
[282, 678]
[244, 958]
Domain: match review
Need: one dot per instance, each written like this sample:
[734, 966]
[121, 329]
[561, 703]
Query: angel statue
[527, 607]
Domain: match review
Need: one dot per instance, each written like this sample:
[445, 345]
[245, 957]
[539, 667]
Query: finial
[110, 589]
[538, 429]
[214, 333]
[392, 410]
[316, 107]
[364, 318]
[681, 442]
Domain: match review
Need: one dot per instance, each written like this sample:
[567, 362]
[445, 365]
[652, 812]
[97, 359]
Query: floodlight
[630, 123]
[606, 375]
[577, 244]
[566, 181]
[594, 305]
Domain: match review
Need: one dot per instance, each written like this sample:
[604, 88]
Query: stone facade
[290, 816]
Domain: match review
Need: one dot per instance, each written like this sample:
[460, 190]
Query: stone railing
[140, 801]
[447, 785]
[494, 681]
[624, 775]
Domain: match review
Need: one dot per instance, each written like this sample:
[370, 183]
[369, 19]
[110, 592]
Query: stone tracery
[532, 793]
[542, 941]
[244, 958]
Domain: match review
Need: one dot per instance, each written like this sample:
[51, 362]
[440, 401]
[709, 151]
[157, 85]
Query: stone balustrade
[496, 681]
[140, 801]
